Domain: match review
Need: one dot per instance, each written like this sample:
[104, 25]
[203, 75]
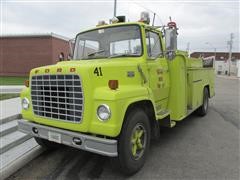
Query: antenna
[153, 19]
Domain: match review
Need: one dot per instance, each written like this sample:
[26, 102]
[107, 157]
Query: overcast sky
[199, 21]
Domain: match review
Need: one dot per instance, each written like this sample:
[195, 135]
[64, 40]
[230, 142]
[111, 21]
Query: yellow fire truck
[125, 81]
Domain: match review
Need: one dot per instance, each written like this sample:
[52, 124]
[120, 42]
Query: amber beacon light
[113, 84]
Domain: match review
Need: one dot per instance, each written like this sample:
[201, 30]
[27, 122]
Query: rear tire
[47, 144]
[134, 141]
[202, 110]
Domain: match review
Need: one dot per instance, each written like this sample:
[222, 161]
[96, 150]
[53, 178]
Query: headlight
[25, 103]
[103, 112]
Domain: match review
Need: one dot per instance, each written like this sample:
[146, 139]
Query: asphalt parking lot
[197, 148]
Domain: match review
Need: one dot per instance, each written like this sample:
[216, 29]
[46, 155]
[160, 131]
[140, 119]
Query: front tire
[202, 110]
[134, 142]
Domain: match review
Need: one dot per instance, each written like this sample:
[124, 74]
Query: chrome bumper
[107, 147]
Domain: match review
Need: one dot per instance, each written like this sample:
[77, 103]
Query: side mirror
[171, 39]
[71, 43]
[170, 43]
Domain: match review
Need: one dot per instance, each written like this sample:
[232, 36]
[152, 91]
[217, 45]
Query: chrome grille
[57, 97]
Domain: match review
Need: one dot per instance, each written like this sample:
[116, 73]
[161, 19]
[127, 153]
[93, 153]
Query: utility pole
[188, 49]
[215, 52]
[230, 43]
[115, 8]
[215, 49]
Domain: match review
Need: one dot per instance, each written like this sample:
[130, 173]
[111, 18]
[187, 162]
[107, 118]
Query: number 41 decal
[98, 71]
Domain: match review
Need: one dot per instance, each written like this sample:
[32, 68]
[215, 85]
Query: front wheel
[202, 110]
[134, 142]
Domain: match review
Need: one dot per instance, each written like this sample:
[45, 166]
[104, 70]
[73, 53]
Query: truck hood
[98, 72]
[94, 91]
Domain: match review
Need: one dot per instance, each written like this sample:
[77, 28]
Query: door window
[153, 42]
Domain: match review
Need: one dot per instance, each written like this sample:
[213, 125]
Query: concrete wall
[222, 66]
[238, 68]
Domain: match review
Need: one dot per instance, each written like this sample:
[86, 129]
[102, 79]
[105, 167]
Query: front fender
[118, 101]
[124, 92]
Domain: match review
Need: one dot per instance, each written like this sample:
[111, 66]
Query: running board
[164, 120]
[162, 114]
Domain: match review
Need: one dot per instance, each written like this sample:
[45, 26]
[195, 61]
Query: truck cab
[125, 81]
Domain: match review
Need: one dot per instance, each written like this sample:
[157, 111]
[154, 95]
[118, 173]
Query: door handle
[142, 74]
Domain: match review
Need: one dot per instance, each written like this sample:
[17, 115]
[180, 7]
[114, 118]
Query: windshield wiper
[96, 52]
[124, 55]
[159, 55]
[92, 58]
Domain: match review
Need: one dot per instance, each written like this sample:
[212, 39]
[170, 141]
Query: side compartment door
[157, 69]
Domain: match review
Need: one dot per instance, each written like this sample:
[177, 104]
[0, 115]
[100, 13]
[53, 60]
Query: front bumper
[106, 147]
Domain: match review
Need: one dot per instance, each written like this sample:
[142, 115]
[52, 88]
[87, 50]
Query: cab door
[158, 71]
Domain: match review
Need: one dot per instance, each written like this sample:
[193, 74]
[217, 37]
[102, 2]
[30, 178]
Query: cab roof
[118, 24]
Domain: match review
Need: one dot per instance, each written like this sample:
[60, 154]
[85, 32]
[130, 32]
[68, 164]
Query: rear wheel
[134, 142]
[47, 144]
[202, 110]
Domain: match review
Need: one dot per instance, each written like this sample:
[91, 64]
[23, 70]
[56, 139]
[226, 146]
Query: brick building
[221, 61]
[20, 53]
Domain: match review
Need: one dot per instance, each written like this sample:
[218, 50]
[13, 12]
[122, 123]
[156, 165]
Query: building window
[61, 57]
[234, 62]
[220, 68]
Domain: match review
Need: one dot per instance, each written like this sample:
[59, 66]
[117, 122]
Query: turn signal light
[72, 69]
[113, 84]
[26, 83]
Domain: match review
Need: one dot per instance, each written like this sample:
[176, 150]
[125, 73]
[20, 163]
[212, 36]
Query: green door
[158, 70]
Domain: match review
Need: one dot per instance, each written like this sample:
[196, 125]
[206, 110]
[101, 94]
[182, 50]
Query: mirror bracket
[71, 44]
[170, 55]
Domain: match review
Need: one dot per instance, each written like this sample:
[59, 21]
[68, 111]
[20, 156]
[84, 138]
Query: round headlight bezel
[25, 103]
[107, 111]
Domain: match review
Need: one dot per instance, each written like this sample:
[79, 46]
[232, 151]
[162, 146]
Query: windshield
[109, 43]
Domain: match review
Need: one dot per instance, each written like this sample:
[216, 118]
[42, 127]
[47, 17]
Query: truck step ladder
[172, 124]
[163, 118]
[162, 113]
